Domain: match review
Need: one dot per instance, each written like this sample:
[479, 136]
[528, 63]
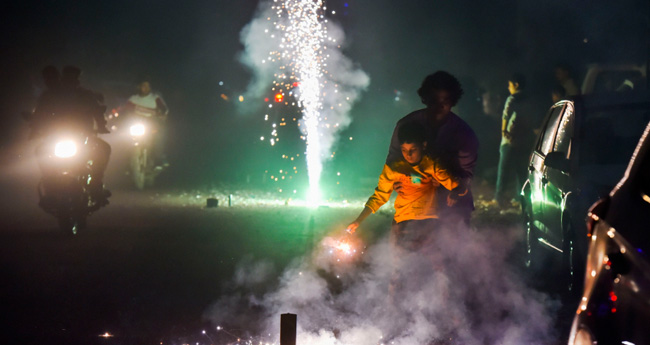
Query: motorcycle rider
[68, 105]
[150, 105]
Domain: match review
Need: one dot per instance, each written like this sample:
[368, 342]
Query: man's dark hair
[440, 80]
[518, 78]
[411, 133]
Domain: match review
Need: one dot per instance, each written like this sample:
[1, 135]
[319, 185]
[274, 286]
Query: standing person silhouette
[450, 139]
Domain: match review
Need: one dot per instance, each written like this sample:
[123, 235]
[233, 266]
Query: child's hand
[397, 186]
[352, 228]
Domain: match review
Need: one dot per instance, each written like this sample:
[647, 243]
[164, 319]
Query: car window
[548, 133]
[610, 135]
[565, 132]
[609, 81]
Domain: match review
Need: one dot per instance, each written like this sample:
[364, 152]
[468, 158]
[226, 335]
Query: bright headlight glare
[137, 130]
[65, 149]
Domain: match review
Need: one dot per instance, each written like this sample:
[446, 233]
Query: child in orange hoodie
[418, 176]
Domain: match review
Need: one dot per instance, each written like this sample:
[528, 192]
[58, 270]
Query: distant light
[241, 98]
[279, 97]
[351, 138]
[262, 138]
[106, 335]
[585, 40]
[220, 83]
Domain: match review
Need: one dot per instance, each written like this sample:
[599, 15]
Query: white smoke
[341, 82]
[459, 287]
[260, 38]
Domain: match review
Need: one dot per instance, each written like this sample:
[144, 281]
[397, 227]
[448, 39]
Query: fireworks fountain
[304, 35]
[293, 46]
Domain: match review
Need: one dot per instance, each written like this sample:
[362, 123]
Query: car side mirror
[557, 160]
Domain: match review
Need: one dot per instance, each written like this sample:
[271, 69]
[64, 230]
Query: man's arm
[442, 176]
[467, 157]
[394, 150]
[161, 107]
[505, 118]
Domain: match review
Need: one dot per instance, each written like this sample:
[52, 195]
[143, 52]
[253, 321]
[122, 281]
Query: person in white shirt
[150, 105]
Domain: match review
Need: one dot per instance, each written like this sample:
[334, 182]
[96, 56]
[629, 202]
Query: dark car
[615, 305]
[582, 150]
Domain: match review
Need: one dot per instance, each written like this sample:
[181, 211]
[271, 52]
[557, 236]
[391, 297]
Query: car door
[536, 169]
[558, 179]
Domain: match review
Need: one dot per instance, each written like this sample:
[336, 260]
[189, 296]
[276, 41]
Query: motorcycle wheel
[138, 167]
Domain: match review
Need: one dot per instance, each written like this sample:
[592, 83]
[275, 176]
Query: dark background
[187, 48]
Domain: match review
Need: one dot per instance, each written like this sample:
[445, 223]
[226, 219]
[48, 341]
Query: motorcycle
[65, 189]
[143, 169]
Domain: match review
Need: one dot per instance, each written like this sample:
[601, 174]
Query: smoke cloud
[342, 81]
[458, 289]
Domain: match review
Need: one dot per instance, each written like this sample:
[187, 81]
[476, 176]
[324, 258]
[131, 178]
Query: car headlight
[65, 149]
[137, 130]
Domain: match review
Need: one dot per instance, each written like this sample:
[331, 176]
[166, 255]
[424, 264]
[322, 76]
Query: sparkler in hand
[344, 246]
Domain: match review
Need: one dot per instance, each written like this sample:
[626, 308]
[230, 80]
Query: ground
[151, 264]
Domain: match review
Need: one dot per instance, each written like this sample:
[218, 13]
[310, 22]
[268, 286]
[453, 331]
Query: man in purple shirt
[451, 140]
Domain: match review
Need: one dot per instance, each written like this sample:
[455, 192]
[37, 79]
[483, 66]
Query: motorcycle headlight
[137, 130]
[65, 149]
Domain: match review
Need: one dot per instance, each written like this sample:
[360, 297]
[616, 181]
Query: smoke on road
[459, 286]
